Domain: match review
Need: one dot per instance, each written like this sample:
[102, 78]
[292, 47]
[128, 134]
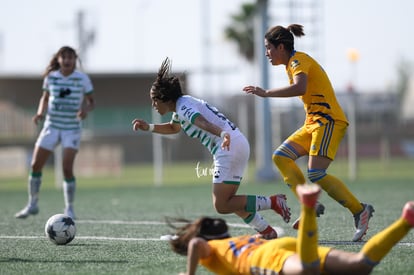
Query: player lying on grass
[229, 147]
[207, 242]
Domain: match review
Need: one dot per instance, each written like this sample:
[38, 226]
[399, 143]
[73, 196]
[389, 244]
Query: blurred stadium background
[382, 120]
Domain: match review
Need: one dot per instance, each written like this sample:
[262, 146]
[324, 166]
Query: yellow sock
[379, 245]
[337, 190]
[307, 245]
[291, 173]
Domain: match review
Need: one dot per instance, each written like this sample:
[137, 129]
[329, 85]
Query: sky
[136, 35]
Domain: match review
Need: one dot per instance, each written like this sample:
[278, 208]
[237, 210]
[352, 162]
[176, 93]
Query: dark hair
[54, 64]
[166, 87]
[280, 35]
[204, 227]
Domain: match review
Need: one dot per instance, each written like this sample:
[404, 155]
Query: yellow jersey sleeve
[230, 256]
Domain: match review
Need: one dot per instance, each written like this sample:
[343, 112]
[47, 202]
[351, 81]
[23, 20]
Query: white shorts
[49, 138]
[229, 166]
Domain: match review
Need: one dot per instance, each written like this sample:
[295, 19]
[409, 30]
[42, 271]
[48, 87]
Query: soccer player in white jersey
[229, 147]
[65, 102]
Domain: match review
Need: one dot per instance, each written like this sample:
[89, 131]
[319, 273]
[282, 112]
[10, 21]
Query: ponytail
[280, 35]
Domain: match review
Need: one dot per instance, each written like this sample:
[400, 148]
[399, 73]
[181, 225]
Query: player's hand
[36, 118]
[82, 114]
[255, 91]
[139, 124]
[225, 145]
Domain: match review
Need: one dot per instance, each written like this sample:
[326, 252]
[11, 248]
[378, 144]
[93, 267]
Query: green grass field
[120, 219]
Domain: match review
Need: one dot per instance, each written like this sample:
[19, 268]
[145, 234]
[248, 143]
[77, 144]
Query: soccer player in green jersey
[228, 146]
[66, 100]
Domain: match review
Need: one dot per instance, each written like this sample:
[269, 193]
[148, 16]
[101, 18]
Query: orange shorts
[271, 256]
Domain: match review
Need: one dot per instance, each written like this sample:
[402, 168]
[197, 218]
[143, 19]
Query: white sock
[263, 203]
[258, 223]
[34, 188]
[69, 192]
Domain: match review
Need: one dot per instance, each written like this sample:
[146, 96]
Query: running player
[224, 141]
[324, 127]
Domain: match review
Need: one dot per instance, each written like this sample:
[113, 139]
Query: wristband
[151, 127]
[222, 134]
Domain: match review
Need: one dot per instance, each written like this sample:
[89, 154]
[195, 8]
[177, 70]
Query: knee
[361, 265]
[316, 174]
[220, 207]
[222, 204]
[278, 159]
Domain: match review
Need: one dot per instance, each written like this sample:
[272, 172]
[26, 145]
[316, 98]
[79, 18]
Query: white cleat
[28, 210]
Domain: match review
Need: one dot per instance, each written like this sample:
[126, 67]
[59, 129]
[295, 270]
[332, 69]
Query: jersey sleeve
[189, 109]
[299, 65]
[87, 83]
[45, 85]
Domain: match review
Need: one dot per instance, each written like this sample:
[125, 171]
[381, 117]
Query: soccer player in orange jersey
[324, 127]
[207, 242]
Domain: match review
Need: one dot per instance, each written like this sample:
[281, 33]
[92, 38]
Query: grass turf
[121, 219]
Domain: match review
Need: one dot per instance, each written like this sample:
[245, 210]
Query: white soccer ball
[60, 229]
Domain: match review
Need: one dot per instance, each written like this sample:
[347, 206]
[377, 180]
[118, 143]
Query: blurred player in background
[66, 101]
[225, 142]
[324, 127]
[207, 242]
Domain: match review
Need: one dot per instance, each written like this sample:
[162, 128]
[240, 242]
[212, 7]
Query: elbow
[301, 92]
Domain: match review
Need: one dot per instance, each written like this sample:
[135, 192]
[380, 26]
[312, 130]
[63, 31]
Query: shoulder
[53, 74]
[300, 60]
[187, 101]
[79, 74]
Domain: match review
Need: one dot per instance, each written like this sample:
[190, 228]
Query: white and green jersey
[186, 111]
[66, 95]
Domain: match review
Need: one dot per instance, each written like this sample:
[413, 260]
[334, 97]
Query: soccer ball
[60, 229]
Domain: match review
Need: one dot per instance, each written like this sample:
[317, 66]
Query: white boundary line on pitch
[235, 225]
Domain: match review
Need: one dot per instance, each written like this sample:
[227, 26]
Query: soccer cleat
[28, 210]
[69, 212]
[361, 221]
[319, 209]
[268, 234]
[408, 213]
[279, 205]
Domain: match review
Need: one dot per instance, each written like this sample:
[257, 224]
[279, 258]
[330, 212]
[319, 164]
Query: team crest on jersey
[294, 63]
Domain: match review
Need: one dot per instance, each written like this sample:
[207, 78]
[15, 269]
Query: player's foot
[408, 212]
[69, 212]
[361, 221]
[308, 194]
[279, 205]
[319, 209]
[267, 234]
[28, 210]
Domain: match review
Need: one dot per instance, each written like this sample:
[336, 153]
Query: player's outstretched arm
[164, 128]
[197, 248]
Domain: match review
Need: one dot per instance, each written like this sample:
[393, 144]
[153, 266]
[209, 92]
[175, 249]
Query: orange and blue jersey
[320, 103]
[253, 256]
